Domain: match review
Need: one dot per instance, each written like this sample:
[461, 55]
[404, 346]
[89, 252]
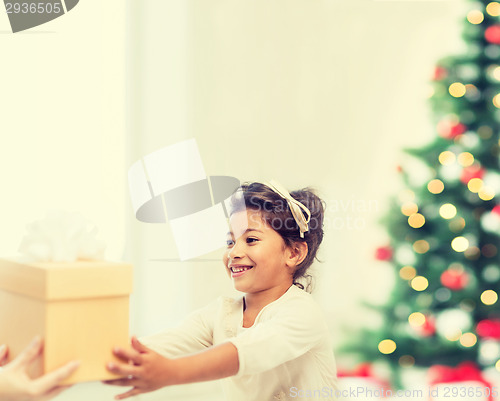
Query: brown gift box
[80, 310]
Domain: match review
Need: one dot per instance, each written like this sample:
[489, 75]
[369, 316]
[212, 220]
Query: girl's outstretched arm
[146, 370]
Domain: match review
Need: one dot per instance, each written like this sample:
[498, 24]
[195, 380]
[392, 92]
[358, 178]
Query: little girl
[272, 343]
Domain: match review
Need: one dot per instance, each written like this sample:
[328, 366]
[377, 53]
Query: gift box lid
[72, 280]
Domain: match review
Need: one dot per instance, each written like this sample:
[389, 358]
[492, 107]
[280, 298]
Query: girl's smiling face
[257, 258]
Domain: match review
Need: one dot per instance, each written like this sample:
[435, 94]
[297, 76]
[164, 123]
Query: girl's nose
[236, 251]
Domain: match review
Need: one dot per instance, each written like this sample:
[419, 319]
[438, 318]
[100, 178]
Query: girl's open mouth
[237, 271]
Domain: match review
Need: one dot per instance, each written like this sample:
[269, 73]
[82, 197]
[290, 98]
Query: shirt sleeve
[284, 336]
[194, 334]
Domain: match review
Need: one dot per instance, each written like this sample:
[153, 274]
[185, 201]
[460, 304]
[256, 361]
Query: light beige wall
[320, 93]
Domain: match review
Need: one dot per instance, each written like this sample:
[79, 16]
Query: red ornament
[454, 280]
[383, 253]
[465, 371]
[492, 34]
[496, 210]
[474, 171]
[365, 370]
[489, 328]
[429, 327]
[439, 73]
[449, 130]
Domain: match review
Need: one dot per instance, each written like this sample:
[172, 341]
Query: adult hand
[16, 385]
[144, 370]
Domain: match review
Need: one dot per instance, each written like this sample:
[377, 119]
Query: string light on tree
[459, 244]
[475, 184]
[421, 246]
[447, 158]
[468, 339]
[409, 208]
[493, 9]
[496, 101]
[465, 159]
[447, 211]
[475, 17]
[387, 346]
[416, 220]
[407, 272]
[489, 297]
[435, 186]
[457, 89]
[419, 283]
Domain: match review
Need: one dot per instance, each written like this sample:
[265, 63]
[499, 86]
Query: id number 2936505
[34, 8]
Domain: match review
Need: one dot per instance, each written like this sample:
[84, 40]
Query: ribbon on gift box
[61, 237]
[365, 370]
[465, 371]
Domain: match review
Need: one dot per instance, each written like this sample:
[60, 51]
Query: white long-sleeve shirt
[286, 355]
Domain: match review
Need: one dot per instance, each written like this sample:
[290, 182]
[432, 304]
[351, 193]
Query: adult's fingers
[29, 354]
[4, 351]
[128, 355]
[52, 379]
[52, 393]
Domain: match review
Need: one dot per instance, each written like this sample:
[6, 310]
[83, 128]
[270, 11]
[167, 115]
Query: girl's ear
[297, 253]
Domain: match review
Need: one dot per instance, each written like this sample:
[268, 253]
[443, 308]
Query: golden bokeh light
[459, 244]
[416, 220]
[496, 101]
[468, 339]
[457, 89]
[407, 272]
[416, 319]
[486, 193]
[489, 297]
[497, 365]
[421, 246]
[475, 184]
[447, 211]
[435, 186]
[496, 73]
[387, 346]
[447, 158]
[409, 208]
[465, 159]
[475, 17]
[493, 9]
[419, 283]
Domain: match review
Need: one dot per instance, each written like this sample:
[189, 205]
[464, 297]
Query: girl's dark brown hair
[276, 212]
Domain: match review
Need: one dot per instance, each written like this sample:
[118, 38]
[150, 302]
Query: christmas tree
[444, 231]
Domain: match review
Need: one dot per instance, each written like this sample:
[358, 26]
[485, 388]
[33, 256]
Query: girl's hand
[145, 370]
[16, 385]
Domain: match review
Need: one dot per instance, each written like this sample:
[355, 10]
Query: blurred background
[311, 93]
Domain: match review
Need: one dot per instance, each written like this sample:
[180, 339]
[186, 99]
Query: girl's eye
[250, 240]
[229, 242]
